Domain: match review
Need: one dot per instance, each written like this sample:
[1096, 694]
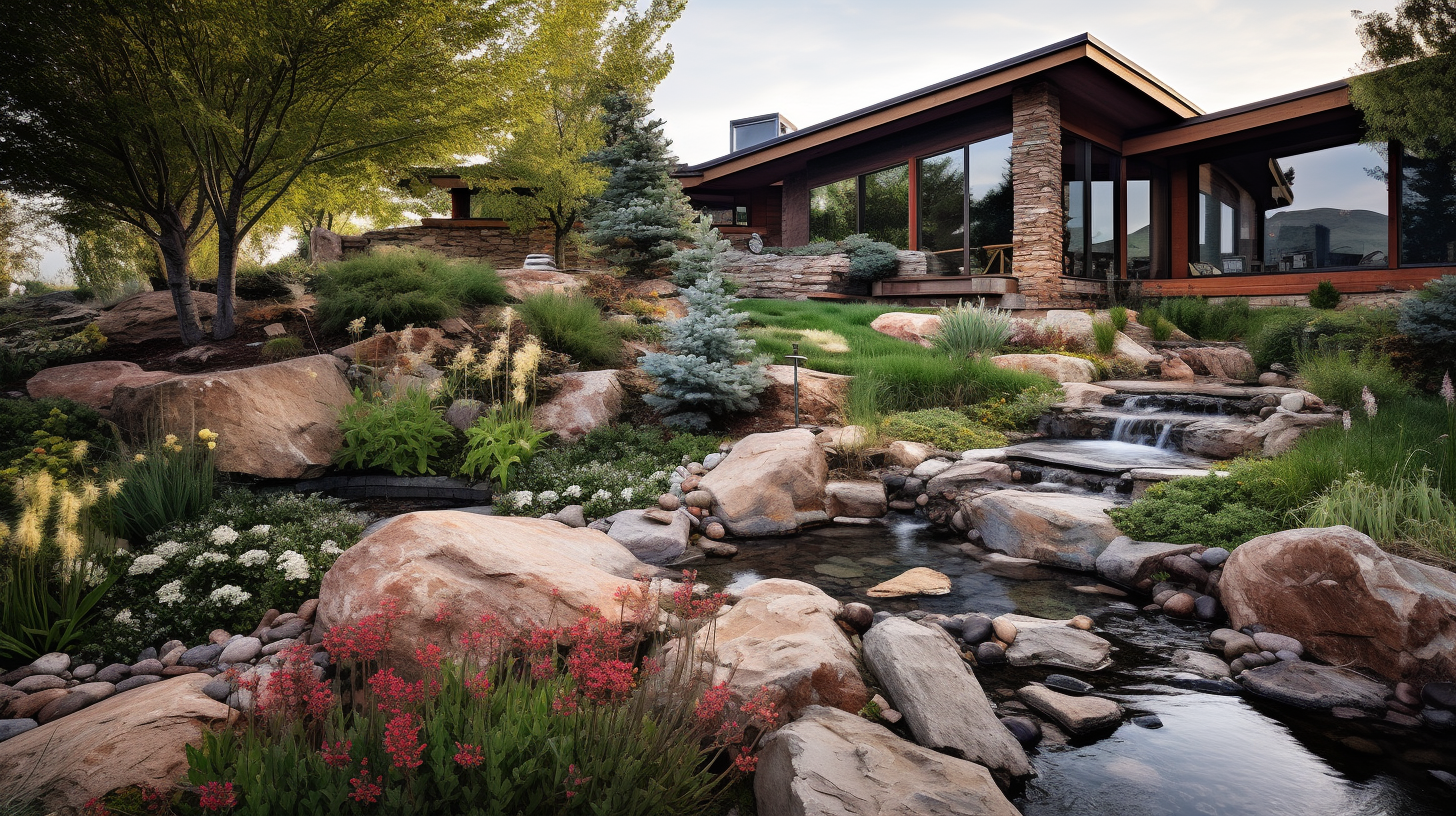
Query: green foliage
[282, 348]
[404, 434]
[611, 469]
[31, 350]
[1280, 335]
[869, 260]
[1324, 295]
[572, 325]
[1162, 330]
[272, 282]
[1203, 319]
[222, 569]
[499, 441]
[1408, 99]
[1410, 510]
[1118, 316]
[1429, 318]
[25, 423]
[396, 289]
[941, 427]
[694, 263]
[1338, 377]
[1212, 511]
[1019, 413]
[972, 330]
[1150, 316]
[1104, 333]
[46, 603]
[167, 481]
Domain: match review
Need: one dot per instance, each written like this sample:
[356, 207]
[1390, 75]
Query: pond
[1215, 755]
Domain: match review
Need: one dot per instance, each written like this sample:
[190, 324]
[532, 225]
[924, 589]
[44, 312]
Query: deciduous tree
[1411, 58]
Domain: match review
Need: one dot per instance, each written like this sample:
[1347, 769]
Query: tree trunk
[224, 323]
[561, 246]
[173, 244]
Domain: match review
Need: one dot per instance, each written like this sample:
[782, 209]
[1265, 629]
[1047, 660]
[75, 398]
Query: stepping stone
[918, 581]
[1067, 685]
[1079, 715]
[1314, 686]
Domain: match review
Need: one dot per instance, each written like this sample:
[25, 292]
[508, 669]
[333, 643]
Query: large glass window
[1338, 215]
[942, 187]
[834, 211]
[886, 210]
[1428, 207]
[989, 205]
[1147, 221]
[1089, 201]
[965, 208]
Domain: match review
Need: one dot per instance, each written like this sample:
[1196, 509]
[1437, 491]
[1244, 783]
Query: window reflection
[833, 211]
[1339, 215]
[1147, 221]
[886, 213]
[989, 205]
[965, 208]
[942, 187]
[1089, 201]
[1428, 207]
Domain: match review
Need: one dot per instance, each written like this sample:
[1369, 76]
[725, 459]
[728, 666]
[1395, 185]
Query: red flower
[294, 689]
[479, 685]
[763, 709]
[402, 741]
[367, 639]
[217, 796]
[711, 706]
[468, 756]
[430, 656]
[95, 807]
[574, 780]
[745, 762]
[443, 613]
[393, 693]
[155, 801]
[564, 703]
[367, 789]
[688, 607]
[337, 755]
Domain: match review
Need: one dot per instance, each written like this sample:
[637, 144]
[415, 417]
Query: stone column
[1036, 178]
[795, 214]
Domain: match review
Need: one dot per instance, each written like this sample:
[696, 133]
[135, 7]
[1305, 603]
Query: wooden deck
[945, 290]
[1357, 281]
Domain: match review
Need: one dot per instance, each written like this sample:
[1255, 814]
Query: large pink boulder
[1348, 601]
[91, 383]
[585, 400]
[526, 571]
[149, 316]
[770, 484]
[909, 326]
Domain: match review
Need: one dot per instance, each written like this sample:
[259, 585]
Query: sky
[812, 60]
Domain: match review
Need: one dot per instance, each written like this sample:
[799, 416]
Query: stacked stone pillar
[1036, 178]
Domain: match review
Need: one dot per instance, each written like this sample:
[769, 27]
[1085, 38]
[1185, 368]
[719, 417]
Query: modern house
[1045, 178]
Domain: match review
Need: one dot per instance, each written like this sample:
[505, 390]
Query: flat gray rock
[1079, 715]
[1042, 642]
[1315, 686]
[14, 728]
[1202, 664]
[53, 663]
[1127, 562]
[649, 540]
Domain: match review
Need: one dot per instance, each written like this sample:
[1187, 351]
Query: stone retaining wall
[490, 242]
[796, 277]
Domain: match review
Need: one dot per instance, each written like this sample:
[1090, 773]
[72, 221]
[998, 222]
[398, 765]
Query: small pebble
[1147, 721]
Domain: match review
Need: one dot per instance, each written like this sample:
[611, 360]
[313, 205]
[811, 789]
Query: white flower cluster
[293, 566]
[549, 496]
[224, 535]
[626, 494]
[229, 595]
[520, 498]
[209, 557]
[261, 529]
[601, 495]
[146, 564]
[124, 618]
[253, 558]
[171, 593]
[573, 492]
[330, 547]
[169, 549]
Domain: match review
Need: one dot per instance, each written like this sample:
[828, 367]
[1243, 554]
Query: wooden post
[1119, 219]
[459, 202]
[1181, 219]
[795, 212]
[1394, 181]
[914, 242]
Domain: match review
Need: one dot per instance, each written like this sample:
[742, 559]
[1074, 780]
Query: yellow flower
[170, 439]
[211, 445]
[205, 435]
[140, 457]
[113, 487]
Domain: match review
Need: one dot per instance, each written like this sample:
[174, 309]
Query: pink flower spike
[1448, 393]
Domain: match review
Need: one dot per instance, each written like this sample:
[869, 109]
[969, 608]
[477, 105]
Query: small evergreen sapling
[708, 370]
[695, 263]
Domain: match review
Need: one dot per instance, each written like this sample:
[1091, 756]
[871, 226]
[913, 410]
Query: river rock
[1057, 367]
[1314, 686]
[1026, 730]
[1221, 439]
[241, 650]
[1128, 563]
[912, 327]
[1180, 605]
[1078, 715]
[1041, 642]
[52, 663]
[14, 728]
[584, 401]
[91, 383]
[1271, 642]
[1346, 601]
[1067, 685]
[966, 475]
[1201, 664]
[648, 539]
[1053, 528]
[1440, 695]
[930, 468]
[944, 705]
[856, 499]
[501, 565]
[29, 706]
[1084, 395]
[39, 682]
[916, 581]
[199, 656]
[857, 616]
[277, 421]
[1232, 643]
[149, 316]
[76, 699]
[1173, 368]
[770, 484]
[142, 680]
[831, 763]
[908, 454]
[1224, 362]
[990, 654]
[783, 634]
[1126, 348]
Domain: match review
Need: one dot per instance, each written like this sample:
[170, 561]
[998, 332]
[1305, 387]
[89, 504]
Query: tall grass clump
[972, 330]
[170, 479]
[1409, 510]
[1118, 316]
[572, 325]
[1104, 333]
[1162, 330]
[396, 289]
[1340, 377]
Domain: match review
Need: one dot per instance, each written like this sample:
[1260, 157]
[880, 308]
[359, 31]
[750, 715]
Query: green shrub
[1429, 318]
[1212, 511]
[404, 434]
[1202, 319]
[1324, 295]
[396, 289]
[572, 325]
[25, 423]
[272, 282]
[244, 555]
[1277, 340]
[972, 330]
[1407, 510]
[941, 427]
[32, 350]
[167, 481]
[1162, 330]
[499, 441]
[1118, 316]
[1339, 377]
[1105, 335]
[870, 260]
[1150, 317]
[1019, 413]
[282, 348]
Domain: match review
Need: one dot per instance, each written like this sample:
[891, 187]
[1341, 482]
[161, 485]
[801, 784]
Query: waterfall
[1149, 431]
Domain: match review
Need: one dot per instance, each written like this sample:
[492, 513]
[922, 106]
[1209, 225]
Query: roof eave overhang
[1270, 114]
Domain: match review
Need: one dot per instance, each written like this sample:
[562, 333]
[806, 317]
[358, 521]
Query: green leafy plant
[404, 434]
[1324, 295]
[1118, 316]
[1212, 511]
[31, 350]
[972, 330]
[1411, 509]
[1019, 413]
[498, 442]
[942, 427]
[869, 260]
[1162, 330]
[1150, 316]
[396, 289]
[572, 325]
[168, 480]
[1340, 377]
[24, 421]
[282, 348]
[1104, 333]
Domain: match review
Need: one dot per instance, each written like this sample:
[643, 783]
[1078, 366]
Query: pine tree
[694, 263]
[708, 370]
[642, 211]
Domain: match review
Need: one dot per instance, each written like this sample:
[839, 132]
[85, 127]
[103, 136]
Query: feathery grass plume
[28, 534]
[523, 370]
[972, 330]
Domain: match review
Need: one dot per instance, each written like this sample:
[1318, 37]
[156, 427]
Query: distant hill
[1356, 232]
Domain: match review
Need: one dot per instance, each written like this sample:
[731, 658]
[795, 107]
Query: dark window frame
[965, 151]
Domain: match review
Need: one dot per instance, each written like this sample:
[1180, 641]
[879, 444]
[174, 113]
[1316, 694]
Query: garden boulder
[525, 571]
[909, 326]
[277, 421]
[149, 316]
[523, 283]
[1128, 563]
[783, 634]
[649, 539]
[1058, 367]
[1053, 528]
[830, 763]
[137, 738]
[1348, 601]
[856, 499]
[583, 402]
[1224, 362]
[386, 349]
[821, 394]
[91, 383]
[770, 484]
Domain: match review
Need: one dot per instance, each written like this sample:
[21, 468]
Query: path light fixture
[797, 358]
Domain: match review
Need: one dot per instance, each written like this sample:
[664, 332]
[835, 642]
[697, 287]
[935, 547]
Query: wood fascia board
[1153, 89]
[904, 109]
[1274, 114]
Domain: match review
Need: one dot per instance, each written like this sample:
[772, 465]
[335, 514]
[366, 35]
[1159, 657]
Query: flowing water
[1215, 755]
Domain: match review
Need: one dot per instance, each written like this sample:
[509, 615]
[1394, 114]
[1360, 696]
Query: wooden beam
[1393, 182]
[1180, 220]
[1119, 218]
[1274, 114]
[1355, 281]
[914, 242]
